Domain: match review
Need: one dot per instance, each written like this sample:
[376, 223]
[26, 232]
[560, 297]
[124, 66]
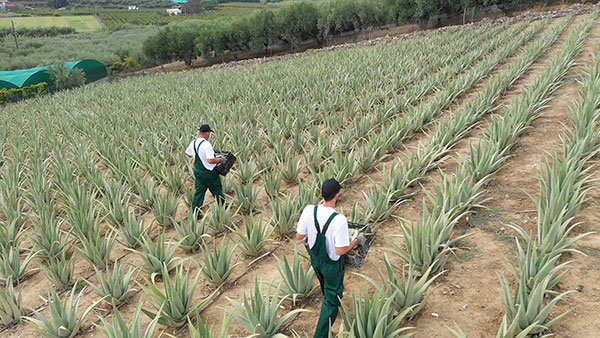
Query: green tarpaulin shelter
[23, 78]
[94, 71]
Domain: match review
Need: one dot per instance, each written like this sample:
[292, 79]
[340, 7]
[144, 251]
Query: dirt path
[469, 292]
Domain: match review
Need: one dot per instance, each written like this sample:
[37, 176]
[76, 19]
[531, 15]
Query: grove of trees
[292, 24]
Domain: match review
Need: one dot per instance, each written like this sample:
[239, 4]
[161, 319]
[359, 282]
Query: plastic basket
[223, 169]
[356, 257]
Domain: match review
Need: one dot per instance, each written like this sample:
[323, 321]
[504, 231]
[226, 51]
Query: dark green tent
[23, 78]
[94, 70]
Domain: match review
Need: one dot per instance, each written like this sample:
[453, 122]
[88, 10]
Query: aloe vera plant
[246, 197]
[119, 328]
[65, 319]
[164, 210]
[10, 233]
[297, 279]
[132, 230]
[218, 264]
[11, 308]
[192, 233]
[116, 202]
[11, 266]
[115, 286]
[258, 312]
[409, 290]
[245, 172]
[373, 317]
[96, 248]
[291, 169]
[60, 271]
[220, 218]
[272, 183]
[157, 255]
[285, 214]
[174, 306]
[528, 308]
[48, 239]
[254, 237]
[202, 330]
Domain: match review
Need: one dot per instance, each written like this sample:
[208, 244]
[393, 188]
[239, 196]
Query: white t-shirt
[205, 151]
[336, 235]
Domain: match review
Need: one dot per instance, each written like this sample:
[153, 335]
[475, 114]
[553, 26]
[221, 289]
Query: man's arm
[342, 250]
[210, 156]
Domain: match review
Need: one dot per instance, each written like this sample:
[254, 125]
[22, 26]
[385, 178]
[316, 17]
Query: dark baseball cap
[204, 128]
[330, 188]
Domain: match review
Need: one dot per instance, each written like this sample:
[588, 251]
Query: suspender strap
[326, 226]
[196, 149]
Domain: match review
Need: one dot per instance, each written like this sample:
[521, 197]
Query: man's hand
[361, 240]
[223, 160]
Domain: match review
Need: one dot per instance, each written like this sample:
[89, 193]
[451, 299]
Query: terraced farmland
[438, 139]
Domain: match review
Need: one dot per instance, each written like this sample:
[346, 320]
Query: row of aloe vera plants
[402, 295]
[523, 318]
[78, 206]
[564, 185]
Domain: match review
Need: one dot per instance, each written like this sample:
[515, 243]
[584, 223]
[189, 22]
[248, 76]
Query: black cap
[204, 128]
[330, 188]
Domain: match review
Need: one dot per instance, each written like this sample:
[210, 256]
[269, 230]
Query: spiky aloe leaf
[115, 286]
[65, 320]
[258, 312]
[297, 279]
[174, 305]
[122, 329]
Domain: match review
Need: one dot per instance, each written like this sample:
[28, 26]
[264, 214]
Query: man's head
[204, 131]
[330, 190]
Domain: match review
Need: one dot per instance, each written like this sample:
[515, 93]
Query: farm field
[157, 16]
[82, 23]
[452, 144]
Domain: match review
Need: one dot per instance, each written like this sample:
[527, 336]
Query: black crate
[223, 169]
[357, 256]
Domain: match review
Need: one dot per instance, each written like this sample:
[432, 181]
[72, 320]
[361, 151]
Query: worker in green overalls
[329, 241]
[205, 162]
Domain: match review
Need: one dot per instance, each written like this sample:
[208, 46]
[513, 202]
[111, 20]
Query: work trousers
[331, 277]
[206, 179]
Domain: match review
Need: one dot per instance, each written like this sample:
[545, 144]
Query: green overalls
[331, 276]
[205, 179]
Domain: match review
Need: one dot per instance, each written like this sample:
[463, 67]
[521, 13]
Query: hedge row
[17, 94]
[36, 32]
[292, 24]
